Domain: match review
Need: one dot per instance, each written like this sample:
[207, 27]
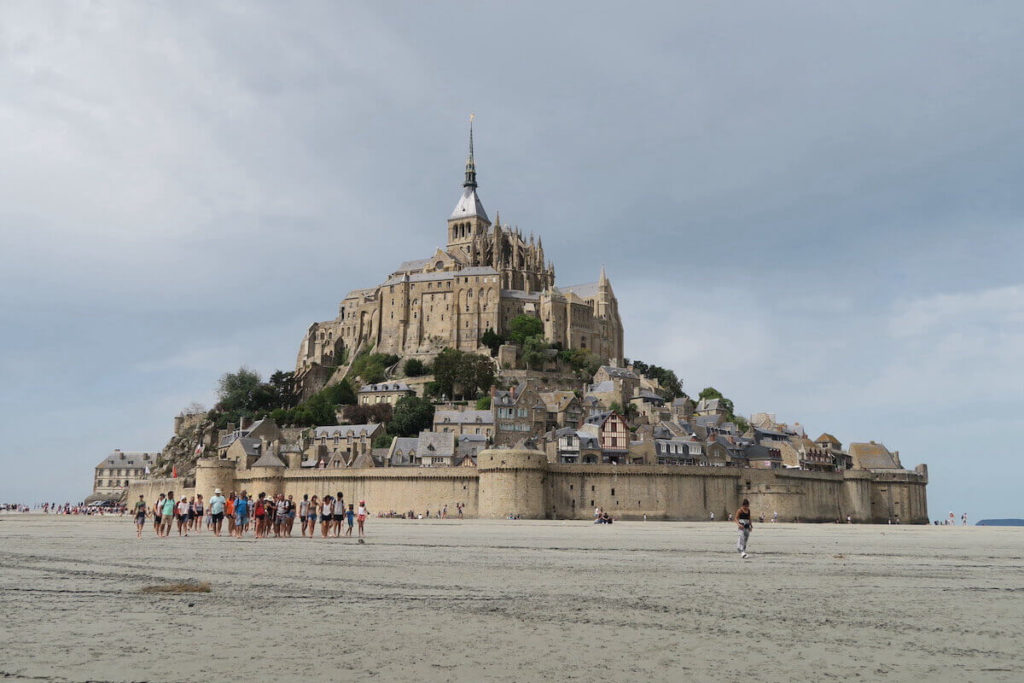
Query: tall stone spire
[469, 205]
[470, 163]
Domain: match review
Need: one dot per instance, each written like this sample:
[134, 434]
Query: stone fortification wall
[523, 483]
[383, 489]
[632, 491]
[152, 488]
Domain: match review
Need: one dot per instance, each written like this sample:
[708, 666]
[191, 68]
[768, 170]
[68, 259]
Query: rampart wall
[522, 482]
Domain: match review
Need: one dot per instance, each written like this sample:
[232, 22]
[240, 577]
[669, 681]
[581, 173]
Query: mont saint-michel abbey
[486, 275]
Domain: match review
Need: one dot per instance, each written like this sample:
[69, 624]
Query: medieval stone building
[486, 275]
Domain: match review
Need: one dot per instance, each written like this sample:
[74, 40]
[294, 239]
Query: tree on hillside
[533, 351]
[523, 327]
[373, 412]
[283, 384]
[492, 340]
[462, 374]
[412, 415]
[671, 386]
[414, 367]
[711, 392]
[341, 393]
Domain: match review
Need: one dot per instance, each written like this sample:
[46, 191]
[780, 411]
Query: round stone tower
[212, 474]
[511, 483]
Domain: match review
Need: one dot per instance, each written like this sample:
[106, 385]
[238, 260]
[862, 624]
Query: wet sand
[435, 600]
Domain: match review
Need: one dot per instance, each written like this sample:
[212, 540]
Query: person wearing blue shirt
[241, 514]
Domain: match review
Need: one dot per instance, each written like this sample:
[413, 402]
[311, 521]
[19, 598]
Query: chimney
[244, 423]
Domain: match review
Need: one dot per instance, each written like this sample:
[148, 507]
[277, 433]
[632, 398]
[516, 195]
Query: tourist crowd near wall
[551, 441]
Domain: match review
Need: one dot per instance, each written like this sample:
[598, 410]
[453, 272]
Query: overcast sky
[814, 207]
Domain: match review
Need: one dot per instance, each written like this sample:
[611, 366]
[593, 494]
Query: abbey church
[486, 275]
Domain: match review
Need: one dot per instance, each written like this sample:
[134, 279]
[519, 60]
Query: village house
[570, 446]
[120, 469]
[519, 413]
[613, 435]
[563, 409]
[339, 445]
[459, 422]
[385, 392]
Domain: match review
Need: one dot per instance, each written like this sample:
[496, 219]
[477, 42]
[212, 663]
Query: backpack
[259, 507]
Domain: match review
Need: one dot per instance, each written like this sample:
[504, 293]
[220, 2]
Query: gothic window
[470, 294]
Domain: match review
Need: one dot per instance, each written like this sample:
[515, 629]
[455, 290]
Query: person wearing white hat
[217, 503]
[182, 515]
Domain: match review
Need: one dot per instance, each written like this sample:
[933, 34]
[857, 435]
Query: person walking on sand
[168, 513]
[140, 516]
[158, 509]
[350, 516]
[183, 507]
[745, 526]
[361, 514]
[338, 513]
[217, 505]
[326, 517]
[304, 512]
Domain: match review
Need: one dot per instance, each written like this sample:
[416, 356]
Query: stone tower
[512, 482]
[468, 222]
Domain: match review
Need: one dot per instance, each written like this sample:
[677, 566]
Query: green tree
[284, 388]
[412, 415]
[483, 403]
[462, 374]
[238, 391]
[711, 392]
[585, 363]
[523, 327]
[414, 367]
[373, 412]
[371, 367]
[533, 351]
[383, 440]
[492, 340]
[341, 393]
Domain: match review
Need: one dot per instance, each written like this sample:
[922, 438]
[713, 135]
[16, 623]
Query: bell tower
[469, 220]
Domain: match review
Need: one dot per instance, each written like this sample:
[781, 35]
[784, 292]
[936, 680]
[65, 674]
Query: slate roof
[131, 459]
[476, 270]
[469, 204]
[406, 444]
[517, 294]
[621, 373]
[363, 460]
[268, 460]
[602, 387]
[436, 444]
[584, 291]
[830, 439]
[872, 456]
[250, 445]
[414, 265]
[384, 386]
[484, 417]
[343, 430]
[557, 401]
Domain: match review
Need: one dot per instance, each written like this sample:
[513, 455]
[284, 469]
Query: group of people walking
[262, 515]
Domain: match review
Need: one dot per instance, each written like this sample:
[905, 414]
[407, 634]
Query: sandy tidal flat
[435, 600]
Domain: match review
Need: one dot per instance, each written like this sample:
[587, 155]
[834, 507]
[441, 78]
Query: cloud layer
[813, 208]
